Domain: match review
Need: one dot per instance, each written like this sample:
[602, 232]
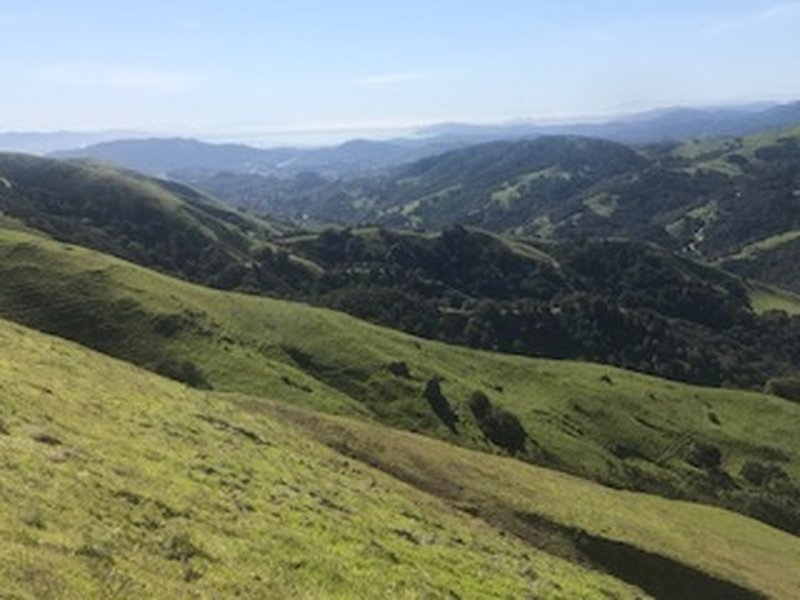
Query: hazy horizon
[314, 71]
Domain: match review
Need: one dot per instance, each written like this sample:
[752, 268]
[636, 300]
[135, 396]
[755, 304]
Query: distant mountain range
[168, 156]
[45, 142]
[655, 126]
[171, 156]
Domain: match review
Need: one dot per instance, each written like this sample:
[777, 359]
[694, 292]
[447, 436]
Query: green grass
[617, 427]
[136, 484]
[514, 190]
[764, 298]
[529, 501]
[602, 204]
[713, 154]
[119, 484]
[139, 487]
[765, 245]
[700, 149]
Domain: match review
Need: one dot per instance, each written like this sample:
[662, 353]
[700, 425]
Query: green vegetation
[118, 484]
[662, 315]
[159, 224]
[619, 302]
[568, 516]
[766, 244]
[613, 426]
[602, 204]
[765, 298]
[137, 487]
[568, 188]
[775, 259]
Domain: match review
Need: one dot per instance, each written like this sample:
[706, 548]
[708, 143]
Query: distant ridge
[170, 156]
[671, 124]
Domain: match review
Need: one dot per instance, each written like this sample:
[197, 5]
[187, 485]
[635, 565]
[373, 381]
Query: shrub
[183, 371]
[704, 456]
[440, 404]
[168, 325]
[399, 369]
[762, 475]
[500, 426]
[479, 404]
[181, 547]
[787, 388]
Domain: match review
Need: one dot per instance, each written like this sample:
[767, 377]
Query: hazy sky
[246, 65]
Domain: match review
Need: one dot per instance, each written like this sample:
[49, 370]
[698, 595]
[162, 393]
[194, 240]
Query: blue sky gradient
[261, 66]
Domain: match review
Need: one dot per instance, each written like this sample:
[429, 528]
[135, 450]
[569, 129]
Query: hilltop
[156, 223]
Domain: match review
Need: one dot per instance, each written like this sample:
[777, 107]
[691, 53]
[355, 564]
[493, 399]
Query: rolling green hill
[163, 225]
[724, 447]
[119, 484]
[765, 298]
[625, 303]
[729, 199]
[495, 185]
[139, 487]
[576, 519]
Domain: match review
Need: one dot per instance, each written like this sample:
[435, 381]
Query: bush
[440, 404]
[399, 369]
[704, 456]
[181, 547]
[480, 405]
[500, 426]
[183, 371]
[762, 475]
[168, 325]
[787, 388]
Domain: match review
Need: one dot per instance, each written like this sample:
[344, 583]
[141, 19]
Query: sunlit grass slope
[766, 297]
[574, 517]
[606, 424]
[116, 483]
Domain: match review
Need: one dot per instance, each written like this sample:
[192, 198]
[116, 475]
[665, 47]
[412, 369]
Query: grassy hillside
[159, 224]
[611, 530]
[139, 487]
[625, 303]
[119, 484]
[774, 259]
[725, 447]
[765, 298]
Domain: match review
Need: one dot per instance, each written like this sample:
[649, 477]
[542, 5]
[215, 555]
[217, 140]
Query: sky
[290, 68]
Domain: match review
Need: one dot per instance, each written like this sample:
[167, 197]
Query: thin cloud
[771, 13]
[392, 78]
[117, 77]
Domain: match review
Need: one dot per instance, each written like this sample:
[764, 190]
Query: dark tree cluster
[628, 304]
